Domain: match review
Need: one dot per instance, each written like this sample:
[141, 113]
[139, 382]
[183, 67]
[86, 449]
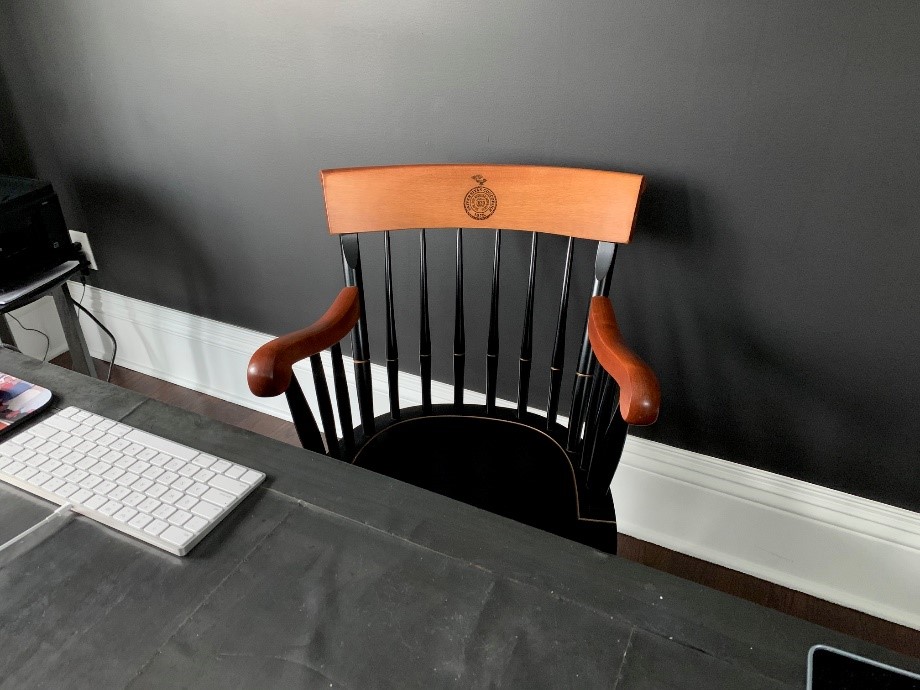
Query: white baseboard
[839, 547]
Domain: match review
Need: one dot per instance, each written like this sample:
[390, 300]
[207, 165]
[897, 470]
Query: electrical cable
[35, 330]
[101, 325]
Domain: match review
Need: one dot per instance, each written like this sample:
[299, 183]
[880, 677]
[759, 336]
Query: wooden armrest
[270, 368]
[640, 395]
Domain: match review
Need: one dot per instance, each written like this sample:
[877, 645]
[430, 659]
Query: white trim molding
[842, 548]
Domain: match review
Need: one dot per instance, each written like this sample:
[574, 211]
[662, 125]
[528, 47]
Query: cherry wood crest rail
[612, 387]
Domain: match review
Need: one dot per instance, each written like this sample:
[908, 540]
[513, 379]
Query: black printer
[33, 234]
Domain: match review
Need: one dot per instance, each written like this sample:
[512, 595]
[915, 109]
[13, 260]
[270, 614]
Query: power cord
[34, 330]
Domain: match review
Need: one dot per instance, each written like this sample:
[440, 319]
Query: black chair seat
[498, 465]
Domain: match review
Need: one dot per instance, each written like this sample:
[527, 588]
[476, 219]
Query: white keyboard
[148, 487]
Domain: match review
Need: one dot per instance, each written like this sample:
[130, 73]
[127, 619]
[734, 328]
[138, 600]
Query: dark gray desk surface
[331, 576]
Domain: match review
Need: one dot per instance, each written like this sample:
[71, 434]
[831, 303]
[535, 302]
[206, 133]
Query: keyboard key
[167, 478]
[189, 470]
[38, 479]
[133, 449]
[197, 489]
[85, 446]
[220, 466]
[175, 535]
[96, 502]
[26, 472]
[90, 481]
[155, 527]
[67, 490]
[94, 435]
[43, 430]
[209, 511]
[182, 484]
[171, 496]
[125, 514]
[146, 454]
[69, 411]
[235, 472]
[59, 452]
[62, 471]
[186, 502]
[251, 477]
[160, 459]
[142, 484]
[110, 508]
[105, 488]
[148, 505]
[113, 473]
[139, 521]
[119, 444]
[98, 452]
[174, 465]
[111, 456]
[80, 496]
[59, 437]
[156, 490]
[25, 454]
[80, 415]
[123, 462]
[50, 465]
[72, 442]
[153, 472]
[105, 424]
[62, 424]
[195, 523]
[139, 467]
[133, 499]
[203, 475]
[53, 484]
[82, 430]
[118, 493]
[223, 482]
[164, 511]
[101, 438]
[127, 479]
[204, 460]
[77, 476]
[179, 518]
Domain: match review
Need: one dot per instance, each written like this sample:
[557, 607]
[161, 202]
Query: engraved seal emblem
[480, 201]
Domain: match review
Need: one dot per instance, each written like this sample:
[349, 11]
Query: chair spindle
[304, 422]
[342, 400]
[596, 383]
[603, 272]
[558, 358]
[424, 348]
[600, 474]
[325, 405]
[527, 335]
[459, 329]
[600, 421]
[492, 347]
[392, 352]
[351, 255]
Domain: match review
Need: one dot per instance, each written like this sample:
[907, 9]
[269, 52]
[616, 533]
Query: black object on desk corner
[33, 232]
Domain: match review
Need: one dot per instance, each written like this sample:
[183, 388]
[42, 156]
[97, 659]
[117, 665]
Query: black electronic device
[33, 234]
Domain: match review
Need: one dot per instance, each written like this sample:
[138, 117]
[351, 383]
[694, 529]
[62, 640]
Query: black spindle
[603, 272]
[351, 255]
[610, 449]
[558, 358]
[304, 422]
[325, 405]
[596, 382]
[527, 335]
[342, 400]
[492, 347]
[424, 350]
[459, 329]
[392, 348]
[597, 426]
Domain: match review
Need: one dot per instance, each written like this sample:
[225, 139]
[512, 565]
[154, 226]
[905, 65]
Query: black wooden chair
[525, 466]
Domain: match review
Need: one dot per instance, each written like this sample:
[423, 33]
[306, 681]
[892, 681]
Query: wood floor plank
[896, 637]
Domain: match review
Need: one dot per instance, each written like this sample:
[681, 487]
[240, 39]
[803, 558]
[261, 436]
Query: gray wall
[773, 282]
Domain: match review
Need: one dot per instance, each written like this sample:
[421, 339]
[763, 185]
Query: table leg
[6, 335]
[79, 353]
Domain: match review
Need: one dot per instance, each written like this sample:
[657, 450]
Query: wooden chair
[528, 467]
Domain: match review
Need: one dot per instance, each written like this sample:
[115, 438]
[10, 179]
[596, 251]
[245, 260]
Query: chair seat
[499, 465]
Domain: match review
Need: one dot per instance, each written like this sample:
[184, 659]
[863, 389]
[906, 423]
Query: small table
[51, 282]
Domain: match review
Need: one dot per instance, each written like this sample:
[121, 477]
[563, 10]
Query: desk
[332, 576]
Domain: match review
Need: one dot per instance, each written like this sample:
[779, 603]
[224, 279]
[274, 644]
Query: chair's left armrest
[640, 395]
[270, 369]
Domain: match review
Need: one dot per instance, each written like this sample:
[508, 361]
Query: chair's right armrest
[640, 395]
[271, 367]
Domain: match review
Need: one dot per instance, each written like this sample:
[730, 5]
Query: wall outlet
[77, 236]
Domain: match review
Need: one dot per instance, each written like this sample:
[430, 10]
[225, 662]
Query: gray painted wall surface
[773, 282]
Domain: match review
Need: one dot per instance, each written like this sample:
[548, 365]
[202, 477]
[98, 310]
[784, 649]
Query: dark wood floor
[896, 637]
